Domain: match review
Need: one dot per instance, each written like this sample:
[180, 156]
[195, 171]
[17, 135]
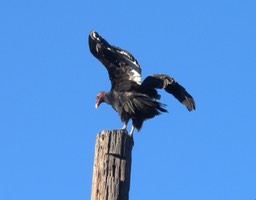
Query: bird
[132, 98]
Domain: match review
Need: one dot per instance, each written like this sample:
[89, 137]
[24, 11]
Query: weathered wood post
[112, 166]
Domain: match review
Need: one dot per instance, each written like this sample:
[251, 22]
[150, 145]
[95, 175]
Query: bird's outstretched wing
[123, 69]
[161, 81]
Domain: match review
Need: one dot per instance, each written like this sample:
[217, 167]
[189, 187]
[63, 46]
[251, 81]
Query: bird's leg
[131, 132]
[124, 126]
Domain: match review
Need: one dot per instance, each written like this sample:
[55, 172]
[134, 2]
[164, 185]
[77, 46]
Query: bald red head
[100, 98]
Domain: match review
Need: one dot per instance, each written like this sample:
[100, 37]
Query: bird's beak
[96, 105]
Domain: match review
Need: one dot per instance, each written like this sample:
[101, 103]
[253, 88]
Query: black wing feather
[123, 69]
[160, 81]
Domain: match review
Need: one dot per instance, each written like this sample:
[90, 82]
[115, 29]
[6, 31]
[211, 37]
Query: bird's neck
[113, 98]
[107, 97]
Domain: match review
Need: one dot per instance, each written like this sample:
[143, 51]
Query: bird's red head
[100, 98]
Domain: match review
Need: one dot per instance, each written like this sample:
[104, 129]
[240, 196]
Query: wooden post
[112, 166]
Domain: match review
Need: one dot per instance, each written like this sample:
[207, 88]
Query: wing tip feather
[189, 103]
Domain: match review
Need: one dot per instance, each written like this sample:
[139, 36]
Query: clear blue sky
[49, 80]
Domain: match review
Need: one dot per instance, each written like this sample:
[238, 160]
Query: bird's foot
[131, 132]
[124, 127]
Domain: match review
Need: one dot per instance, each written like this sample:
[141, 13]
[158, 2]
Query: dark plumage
[130, 97]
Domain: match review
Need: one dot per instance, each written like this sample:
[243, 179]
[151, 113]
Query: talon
[132, 130]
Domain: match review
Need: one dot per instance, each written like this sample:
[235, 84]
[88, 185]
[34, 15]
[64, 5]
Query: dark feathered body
[134, 105]
[132, 99]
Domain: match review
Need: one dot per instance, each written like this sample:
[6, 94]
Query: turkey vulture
[129, 96]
